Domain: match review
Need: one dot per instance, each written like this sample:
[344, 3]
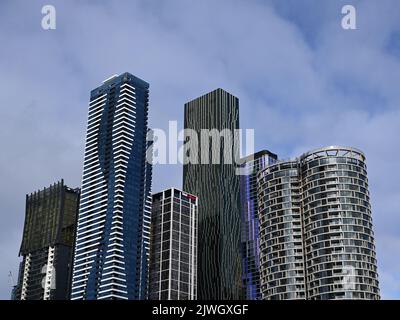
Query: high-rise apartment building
[281, 240]
[211, 175]
[47, 244]
[112, 247]
[173, 253]
[317, 239]
[250, 225]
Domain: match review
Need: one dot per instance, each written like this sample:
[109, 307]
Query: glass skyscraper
[317, 239]
[173, 253]
[216, 183]
[250, 224]
[47, 244]
[112, 246]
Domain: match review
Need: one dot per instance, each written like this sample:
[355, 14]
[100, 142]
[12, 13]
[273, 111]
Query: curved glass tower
[112, 244]
[337, 235]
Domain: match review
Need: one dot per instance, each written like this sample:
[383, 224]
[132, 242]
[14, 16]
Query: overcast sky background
[303, 82]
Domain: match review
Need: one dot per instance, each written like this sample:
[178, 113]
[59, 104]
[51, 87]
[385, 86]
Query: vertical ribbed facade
[47, 244]
[173, 254]
[328, 188]
[250, 224]
[112, 247]
[217, 186]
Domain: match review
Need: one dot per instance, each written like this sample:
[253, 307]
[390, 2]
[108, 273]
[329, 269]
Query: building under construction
[47, 244]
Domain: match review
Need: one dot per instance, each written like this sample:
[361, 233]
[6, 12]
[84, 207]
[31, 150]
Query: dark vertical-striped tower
[217, 186]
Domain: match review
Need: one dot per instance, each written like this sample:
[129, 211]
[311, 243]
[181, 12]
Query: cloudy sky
[303, 82]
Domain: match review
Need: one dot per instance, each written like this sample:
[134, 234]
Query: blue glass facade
[111, 254]
[250, 239]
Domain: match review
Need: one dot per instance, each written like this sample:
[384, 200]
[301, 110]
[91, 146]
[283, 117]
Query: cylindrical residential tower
[338, 236]
[281, 243]
[324, 193]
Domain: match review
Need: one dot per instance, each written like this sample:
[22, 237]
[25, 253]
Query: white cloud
[300, 86]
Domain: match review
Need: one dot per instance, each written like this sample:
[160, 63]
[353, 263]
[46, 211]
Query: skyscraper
[282, 267]
[317, 240]
[111, 254]
[212, 177]
[173, 254]
[250, 225]
[47, 244]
